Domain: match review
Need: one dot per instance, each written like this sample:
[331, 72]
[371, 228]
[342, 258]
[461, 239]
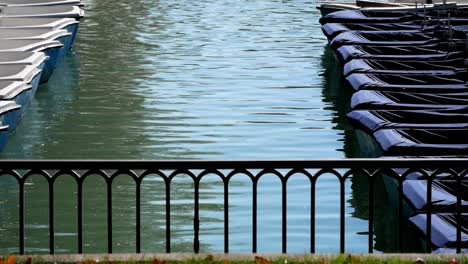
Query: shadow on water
[358, 144]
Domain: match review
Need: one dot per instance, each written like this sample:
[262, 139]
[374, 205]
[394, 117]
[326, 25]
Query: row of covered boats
[409, 70]
[35, 35]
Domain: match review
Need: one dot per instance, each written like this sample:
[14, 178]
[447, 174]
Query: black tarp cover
[368, 99]
[444, 231]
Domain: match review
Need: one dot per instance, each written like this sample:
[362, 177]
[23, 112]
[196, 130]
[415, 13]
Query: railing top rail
[235, 164]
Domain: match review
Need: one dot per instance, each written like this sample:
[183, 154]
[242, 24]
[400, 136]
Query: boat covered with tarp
[438, 51]
[331, 30]
[51, 24]
[393, 16]
[51, 48]
[423, 142]
[443, 198]
[404, 67]
[30, 3]
[61, 11]
[397, 38]
[444, 229]
[373, 120]
[373, 99]
[424, 83]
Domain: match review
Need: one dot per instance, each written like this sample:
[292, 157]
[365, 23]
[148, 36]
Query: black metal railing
[398, 169]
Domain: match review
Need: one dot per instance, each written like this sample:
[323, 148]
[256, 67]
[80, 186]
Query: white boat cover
[42, 11]
[32, 33]
[24, 73]
[40, 2]
[22, 57]
[28, 45]
[10, 89]
[50, 23]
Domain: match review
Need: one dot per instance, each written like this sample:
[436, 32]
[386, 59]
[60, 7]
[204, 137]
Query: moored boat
[61, 35]
[423, 142]
[443, 197]
[372, 99]
[424, 83]
[29, 74]
[444, 229]
[403, 67]
[395, 15]
[63, 11]
[373, 120]
[34, 59]
[438, 51]
[7, 108]
[331, 30]
[69, 24]
[20, 93]
[51, 49]
[30, 3]
[397, 38]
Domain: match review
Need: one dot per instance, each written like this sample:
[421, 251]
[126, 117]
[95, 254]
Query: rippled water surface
[178, 79]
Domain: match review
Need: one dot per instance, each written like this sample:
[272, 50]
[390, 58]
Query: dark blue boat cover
[403, 67]
[373, 120]
[443, 195]
[423, 142]
[449, 83]
[368, 99]
[392, 38]
[368, 16]
[331, 30]
[431, 52]
[357, 16]
[444, 231]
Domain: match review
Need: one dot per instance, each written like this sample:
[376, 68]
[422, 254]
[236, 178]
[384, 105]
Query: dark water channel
[194, 80]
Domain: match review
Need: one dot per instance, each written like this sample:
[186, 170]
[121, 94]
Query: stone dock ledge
[76, 258]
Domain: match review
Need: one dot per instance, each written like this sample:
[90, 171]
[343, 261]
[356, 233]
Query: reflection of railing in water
[226, 170]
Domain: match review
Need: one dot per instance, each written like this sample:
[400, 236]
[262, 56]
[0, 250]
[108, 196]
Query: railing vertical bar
[138, 216]
[51, 218]
[400, 215]
[284, 215]
[80, 217]
[254, 216]
[342, 215]
[196, 220]
[109, 217]
[371, 214]
[312, 216]
[226, 216]
[429, 215]
[168, 216]
[21, 216]
[459, 209]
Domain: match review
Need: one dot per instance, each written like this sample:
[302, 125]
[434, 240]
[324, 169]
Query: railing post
[284, 184]
[109, 216]
[312, 215]
[342, 215]
[226, 215]
[21, 216]
[254, 215]
[51, 217]
[459, 210]
[168, 215]
[371, 214]
[196, 220]
[80, 216]
[429, 214]
[138, 215]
